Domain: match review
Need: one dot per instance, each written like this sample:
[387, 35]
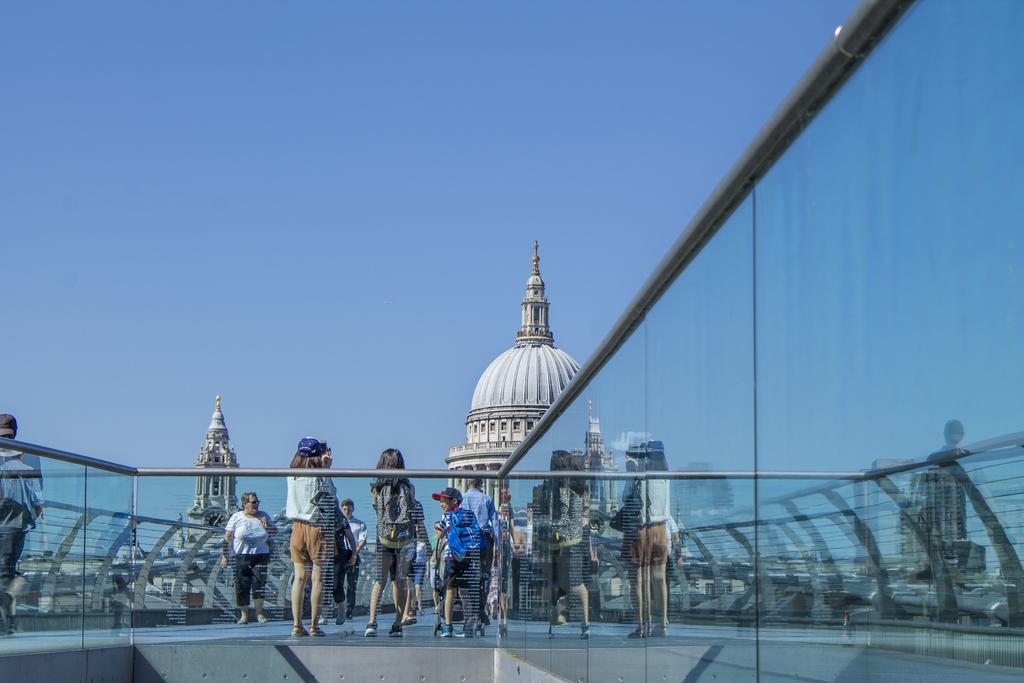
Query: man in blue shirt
[483, 507]
[21, 503]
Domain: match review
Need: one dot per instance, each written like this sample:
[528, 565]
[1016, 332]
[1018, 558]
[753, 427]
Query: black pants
[486, 562]
[250, 577]
[12, 543]
[346, 576]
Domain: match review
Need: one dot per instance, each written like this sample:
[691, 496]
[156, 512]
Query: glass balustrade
[916, 564]
[73, 571]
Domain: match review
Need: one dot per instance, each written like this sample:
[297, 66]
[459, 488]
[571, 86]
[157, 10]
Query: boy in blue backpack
[462, 561]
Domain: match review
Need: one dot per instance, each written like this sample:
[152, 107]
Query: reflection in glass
[562, 526]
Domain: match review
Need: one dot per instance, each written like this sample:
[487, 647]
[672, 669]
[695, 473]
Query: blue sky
[324, 212]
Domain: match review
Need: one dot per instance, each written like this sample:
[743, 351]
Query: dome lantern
[534, 328]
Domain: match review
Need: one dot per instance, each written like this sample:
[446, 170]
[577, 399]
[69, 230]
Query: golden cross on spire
[536, 259]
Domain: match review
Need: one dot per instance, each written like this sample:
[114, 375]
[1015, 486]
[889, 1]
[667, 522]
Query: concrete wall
[105, 665]
[344, 663]
[270, 662]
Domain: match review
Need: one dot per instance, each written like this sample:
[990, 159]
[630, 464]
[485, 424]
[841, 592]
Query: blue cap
[309, 447]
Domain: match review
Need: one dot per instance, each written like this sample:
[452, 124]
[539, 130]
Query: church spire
[215, 498]
[534, 328]
[217, 419]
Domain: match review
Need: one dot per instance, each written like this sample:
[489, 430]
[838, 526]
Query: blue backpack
[463, 533]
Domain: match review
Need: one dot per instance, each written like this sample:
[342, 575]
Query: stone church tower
[215, 498]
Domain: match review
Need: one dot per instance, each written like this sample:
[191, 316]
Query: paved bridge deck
[688, 653]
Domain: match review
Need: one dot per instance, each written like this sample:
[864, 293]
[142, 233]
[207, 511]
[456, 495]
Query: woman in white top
[654, 542]
[312, 542]
[248, 534]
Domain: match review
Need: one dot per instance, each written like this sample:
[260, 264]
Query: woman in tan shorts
[311, 543]
[649, 550]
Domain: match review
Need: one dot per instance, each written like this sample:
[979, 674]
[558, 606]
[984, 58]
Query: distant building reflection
[937, 504]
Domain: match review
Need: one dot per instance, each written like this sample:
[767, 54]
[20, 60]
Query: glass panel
[700, 417]
[700, 356]
[887, 252]
[888, 318]
[820, 568]
[710, 580]
[108, 559]
[527, 596]
[43, 568]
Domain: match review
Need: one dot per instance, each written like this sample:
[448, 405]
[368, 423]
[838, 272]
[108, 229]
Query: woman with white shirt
[248, 534]
[311, 543]
[648, 500]
[655, 535]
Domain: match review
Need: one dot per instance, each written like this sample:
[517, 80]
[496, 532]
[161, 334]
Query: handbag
[617, 522]
[628, 517]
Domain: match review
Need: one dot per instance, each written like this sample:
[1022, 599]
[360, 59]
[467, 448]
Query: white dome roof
[525, 375]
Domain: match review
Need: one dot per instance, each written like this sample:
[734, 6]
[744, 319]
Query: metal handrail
[865, 27]
[328, 472]
[66, 456]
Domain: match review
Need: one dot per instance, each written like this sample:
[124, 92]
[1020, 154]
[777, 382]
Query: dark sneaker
[371, 631]
[585, 631]
[396, 631]
[339, 620]
[446, 631]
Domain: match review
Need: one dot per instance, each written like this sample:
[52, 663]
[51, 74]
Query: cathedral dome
[527, 375]
[516, 389]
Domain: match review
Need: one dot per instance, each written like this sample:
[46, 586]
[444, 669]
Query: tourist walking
[247, 533]
[418, 569]
[564, 536]
[311, 543]
[483, 508]
[21, 504]
[346, 563]
[394, 501]
[462, 562]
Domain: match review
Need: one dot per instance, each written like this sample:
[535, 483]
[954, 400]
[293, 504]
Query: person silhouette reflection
[646, 537]
[563, 532]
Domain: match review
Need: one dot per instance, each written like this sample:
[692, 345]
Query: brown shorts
[651, 545]
[309, 543]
